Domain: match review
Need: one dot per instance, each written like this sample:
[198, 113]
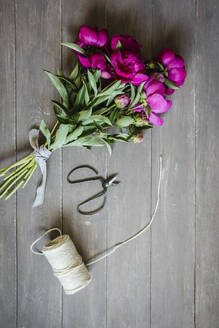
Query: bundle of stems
[18, 174]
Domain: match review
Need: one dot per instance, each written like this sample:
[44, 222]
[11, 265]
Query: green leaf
[80, 97]
[73, 46]
[98, 118]
[119, 137]
[62, 109]
[161, 66]
[86, 94]
[119, 45]
[102, 110]
[92, 82]
[61, 135]
[75, 134]
[45, 131]
[132, 93]
[113, 115]
[99, 100]
[112, 87]
[59, 71]
[59, 86]
[87, 142]
[74, 73]
[124, 121]
[97, 74]
[136, 99]
[108, 59]
[170, 84]
[107, 146]
[68, 82]
[84, 114]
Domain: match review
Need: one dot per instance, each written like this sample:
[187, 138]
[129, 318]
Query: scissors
[106, 183]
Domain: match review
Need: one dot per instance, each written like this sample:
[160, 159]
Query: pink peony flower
[122, 101]
[155, 99]
[127, 42]
[97, 61]
[175, 66]
[128, 67]
[92, 37]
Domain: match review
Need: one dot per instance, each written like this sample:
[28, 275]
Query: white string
[112, 249]
[38, 239]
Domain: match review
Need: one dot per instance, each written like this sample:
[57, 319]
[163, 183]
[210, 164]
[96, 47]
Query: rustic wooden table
[169, 277]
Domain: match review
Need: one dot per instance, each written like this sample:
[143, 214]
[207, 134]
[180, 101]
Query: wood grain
[207, 168]
[173, 232]
[8, 275]
[38, 35]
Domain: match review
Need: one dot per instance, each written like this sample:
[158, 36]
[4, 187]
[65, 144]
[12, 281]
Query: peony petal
[177, 62]
[139, 108]
[88, 35]
[102, 38]
[128, 42]
[139, 78]
[156, 120]
[116, 57]
[98, 61]
[114, 41]
[106, 75]
[84, 61]
[177, 75]
[158, 103]
[155, 87]
[169, 91]
[166, 55]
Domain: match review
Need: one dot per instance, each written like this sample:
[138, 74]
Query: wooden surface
[169, 277]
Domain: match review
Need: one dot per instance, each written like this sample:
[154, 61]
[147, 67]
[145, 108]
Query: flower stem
[29, 174]
[12, 183]
[8, 168]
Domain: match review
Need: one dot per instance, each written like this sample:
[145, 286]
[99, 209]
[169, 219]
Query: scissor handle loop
[85, 179]
[92, 212]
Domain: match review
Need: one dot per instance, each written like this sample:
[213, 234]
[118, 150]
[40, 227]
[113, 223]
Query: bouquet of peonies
[111, 86]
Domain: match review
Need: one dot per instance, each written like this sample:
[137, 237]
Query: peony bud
[141, 120]
[138, 138]
[121, 101]
[159, 77]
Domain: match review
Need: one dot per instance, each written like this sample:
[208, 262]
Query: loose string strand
[38, 252]
[112, 249]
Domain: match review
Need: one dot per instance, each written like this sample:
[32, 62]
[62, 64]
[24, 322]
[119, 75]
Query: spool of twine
[66, 262]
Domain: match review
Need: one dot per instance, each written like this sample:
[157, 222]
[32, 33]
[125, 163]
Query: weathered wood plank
[7, 151]
[173, 232]
[207, 159]
[128, 270]
[38, 47]
[88, 307]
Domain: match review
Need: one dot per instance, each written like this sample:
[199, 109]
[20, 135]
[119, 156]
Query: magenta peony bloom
[155, 99]
[138, 137]
[92, 37]
[122, 101]
[175, 66]
[127, 42]
[97, 61]
[128, 67]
